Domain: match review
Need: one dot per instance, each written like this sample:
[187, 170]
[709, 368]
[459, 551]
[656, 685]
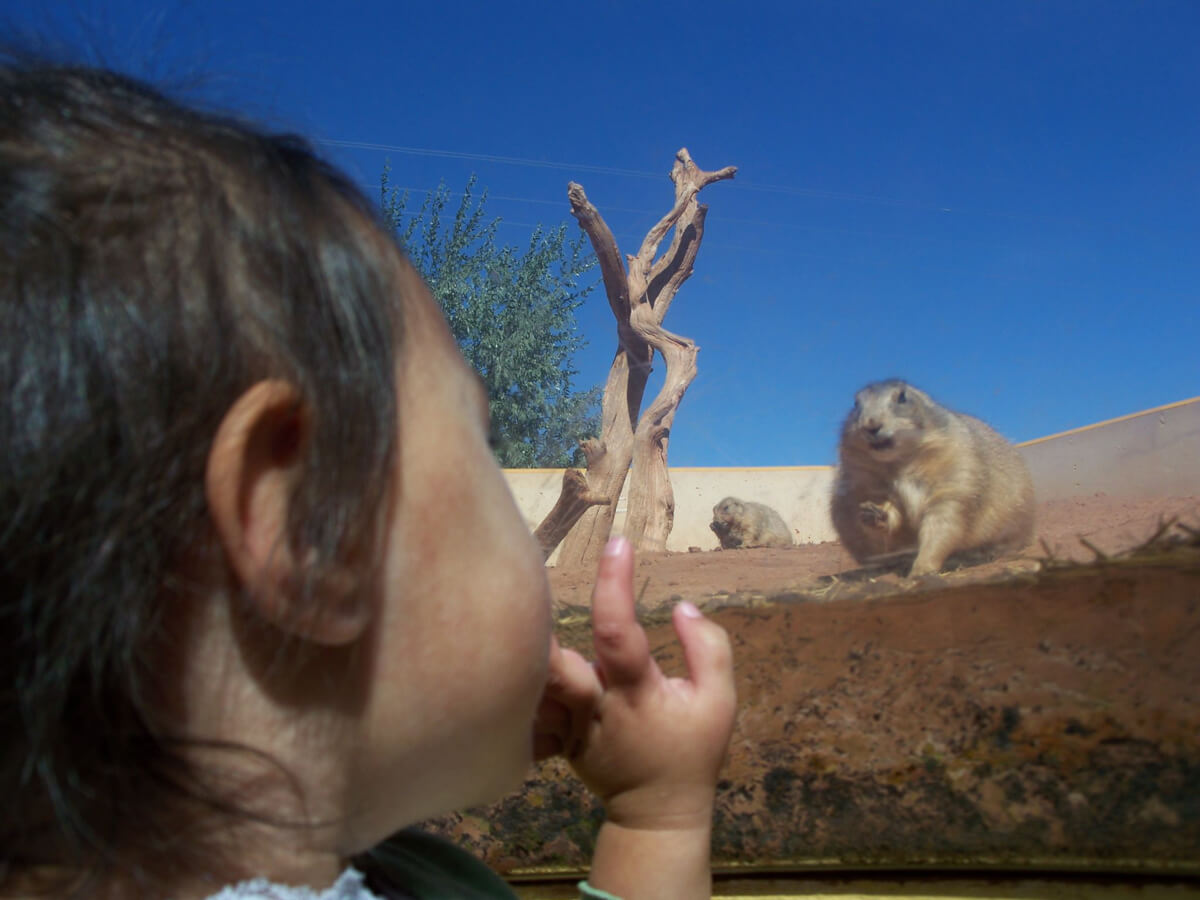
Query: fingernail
[690, 610]
[615, 545]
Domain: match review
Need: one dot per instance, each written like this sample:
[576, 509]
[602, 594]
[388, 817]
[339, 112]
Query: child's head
[248, 509]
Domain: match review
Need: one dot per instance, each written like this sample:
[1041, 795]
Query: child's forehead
[421, 312]
[427, 342]
[417, 309]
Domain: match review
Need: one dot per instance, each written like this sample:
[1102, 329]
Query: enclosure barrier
[1030, 736]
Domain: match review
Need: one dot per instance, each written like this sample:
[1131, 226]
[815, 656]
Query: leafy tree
[513, 315]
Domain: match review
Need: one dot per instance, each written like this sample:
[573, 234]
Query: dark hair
[155, 261]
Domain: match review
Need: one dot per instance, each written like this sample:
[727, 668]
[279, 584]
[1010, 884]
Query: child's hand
[572, 691]
[649, 746]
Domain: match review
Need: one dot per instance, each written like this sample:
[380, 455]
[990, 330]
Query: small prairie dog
[913, 475]
[743, 523]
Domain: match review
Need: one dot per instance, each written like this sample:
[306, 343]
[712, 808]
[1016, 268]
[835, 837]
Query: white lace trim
[349, 886]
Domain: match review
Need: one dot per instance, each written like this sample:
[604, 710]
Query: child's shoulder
[349, 886]
[411, 865]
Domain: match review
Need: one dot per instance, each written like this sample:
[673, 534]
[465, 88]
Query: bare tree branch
[612, 268]
[640, 291]
[671, 277]
[574, 500]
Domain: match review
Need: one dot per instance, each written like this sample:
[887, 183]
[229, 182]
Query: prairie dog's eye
[901, 396]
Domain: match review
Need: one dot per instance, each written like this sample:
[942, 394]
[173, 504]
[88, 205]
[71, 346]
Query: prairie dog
[913, 475]
[743, 523]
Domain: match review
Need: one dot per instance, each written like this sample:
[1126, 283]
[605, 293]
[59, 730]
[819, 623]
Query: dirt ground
[1109, 524]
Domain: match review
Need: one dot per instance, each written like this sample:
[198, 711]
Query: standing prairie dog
[913, 475]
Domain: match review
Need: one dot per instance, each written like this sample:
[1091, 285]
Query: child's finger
[571, 680]
[568, 701]
[550, 729]
[574, 681]
[578, 688]
[706, 650]
[622, 651]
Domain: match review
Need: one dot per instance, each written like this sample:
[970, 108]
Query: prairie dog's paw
[873, 515]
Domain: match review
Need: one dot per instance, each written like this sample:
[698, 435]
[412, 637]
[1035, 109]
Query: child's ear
[253, 466]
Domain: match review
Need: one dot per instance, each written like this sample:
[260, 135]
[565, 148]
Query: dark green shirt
[417, 866]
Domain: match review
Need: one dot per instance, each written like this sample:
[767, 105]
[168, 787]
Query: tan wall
[1150, 453]
[798, 493]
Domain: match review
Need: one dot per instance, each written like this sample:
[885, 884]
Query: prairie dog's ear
[253, 466]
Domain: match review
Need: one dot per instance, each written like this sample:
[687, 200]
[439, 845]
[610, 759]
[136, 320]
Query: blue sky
[999, 201]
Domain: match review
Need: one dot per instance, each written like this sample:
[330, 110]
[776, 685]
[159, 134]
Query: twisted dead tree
[639, 296]
[575, 499]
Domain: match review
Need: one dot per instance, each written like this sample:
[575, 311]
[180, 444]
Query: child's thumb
[707, 651]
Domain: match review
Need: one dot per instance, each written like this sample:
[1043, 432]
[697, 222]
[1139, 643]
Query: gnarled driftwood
[639, 295]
